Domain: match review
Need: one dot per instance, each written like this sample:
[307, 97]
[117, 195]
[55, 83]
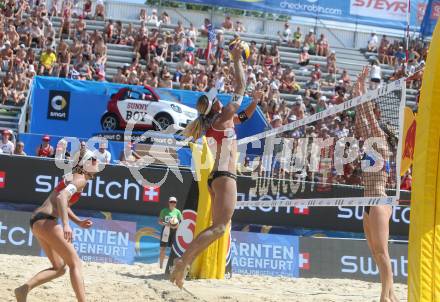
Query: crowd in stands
[30, 45]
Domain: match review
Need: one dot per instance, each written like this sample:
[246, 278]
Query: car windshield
[167, 96]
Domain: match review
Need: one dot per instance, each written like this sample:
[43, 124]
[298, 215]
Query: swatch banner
[382, 13]
[265, 254]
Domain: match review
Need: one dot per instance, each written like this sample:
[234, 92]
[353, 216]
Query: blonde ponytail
[196, 128]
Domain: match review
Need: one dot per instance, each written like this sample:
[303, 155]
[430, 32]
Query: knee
[219, 229]
[61, 269]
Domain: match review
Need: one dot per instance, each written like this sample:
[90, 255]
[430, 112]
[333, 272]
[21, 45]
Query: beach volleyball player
[55, 239]
[217, 124]
[376, 218]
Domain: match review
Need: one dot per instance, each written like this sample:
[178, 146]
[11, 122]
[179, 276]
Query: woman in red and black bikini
[55, 239]
[217, 123]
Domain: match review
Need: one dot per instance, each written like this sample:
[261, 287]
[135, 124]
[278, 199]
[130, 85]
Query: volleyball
[174, 222]
[245, 46]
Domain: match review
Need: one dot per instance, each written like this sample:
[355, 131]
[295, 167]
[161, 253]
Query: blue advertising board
[109, 241]
[74, 108]
[383, 13]
[431, 17]
[265, 254]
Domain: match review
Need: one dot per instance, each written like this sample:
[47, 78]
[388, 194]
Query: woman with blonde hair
[217, 123]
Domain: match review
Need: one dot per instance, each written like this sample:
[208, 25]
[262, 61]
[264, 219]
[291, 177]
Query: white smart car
[149, 108]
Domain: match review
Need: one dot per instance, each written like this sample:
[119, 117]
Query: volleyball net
[348, 154]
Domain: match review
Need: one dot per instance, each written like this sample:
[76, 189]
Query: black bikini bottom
[41, 216]
[217, 174]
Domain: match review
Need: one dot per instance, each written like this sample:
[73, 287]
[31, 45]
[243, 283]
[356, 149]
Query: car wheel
[109, 122]
[163, 120]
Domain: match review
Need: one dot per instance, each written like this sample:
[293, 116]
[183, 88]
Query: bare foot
[179, 272]
[21, 293]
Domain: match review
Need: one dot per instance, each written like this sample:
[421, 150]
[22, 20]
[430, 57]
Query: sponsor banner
[15, 234]
[145, 236]
[348, 258]
[58, 105]
[113, 190]
[62, 107]
[430, 18]
[265, 254]
[110, 241]
[383, 13]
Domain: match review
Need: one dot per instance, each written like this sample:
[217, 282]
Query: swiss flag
[304, 261]
[301, 210]
[151, 194]
[2, 179]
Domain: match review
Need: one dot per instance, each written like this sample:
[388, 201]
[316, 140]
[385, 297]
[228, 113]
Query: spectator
[19, 149]
[276, 121]
[166, 81]
[201, 81]
[65, 27]
[87, 9]
[313, 88]
[100, 10]
[406, 182]
[7, 55]
[20, 88]
[322, 46]
[373, 43]
[102, 154]
[165, 19]
[383, 50]
[63, 61]
[239, 27]
[6, 145]
[304, 57]
[375, 74]
[45, 149]
[400, 56]
[7, 87]
[80, 29]
[286, 34]
[345, 78]
[37, 34]
[297, 38]
[128, 155]
[47, 61]
[317, 71]
[329, 81]
[331, 62]
[154, 19]
[143, 15]
[310, 42]
[168, 233]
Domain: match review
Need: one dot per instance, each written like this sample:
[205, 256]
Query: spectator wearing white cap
[276, 121]
[6, 55]
[310, 42]
[6, 145]
[169, 219]
[153, 18]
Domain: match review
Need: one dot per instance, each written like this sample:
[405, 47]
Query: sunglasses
[172, 201]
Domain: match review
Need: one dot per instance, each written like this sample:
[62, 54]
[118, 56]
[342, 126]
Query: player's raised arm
[229, 110]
